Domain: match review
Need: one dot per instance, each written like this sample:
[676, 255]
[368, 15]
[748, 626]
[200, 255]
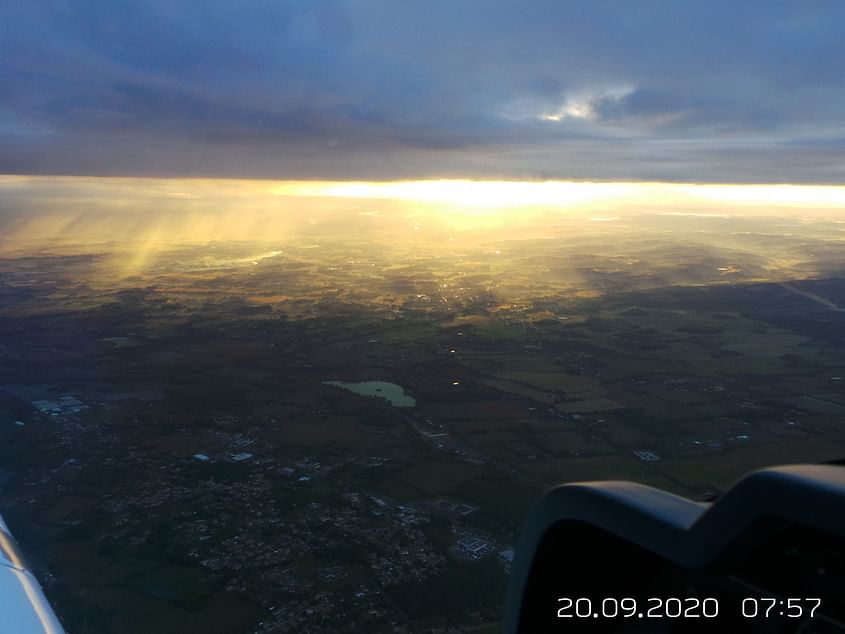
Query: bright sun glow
[484, 194]
[571, 194]
[466, 196]
[154, 212]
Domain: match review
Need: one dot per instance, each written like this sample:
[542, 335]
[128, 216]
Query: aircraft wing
[23, 607]
[776, 539]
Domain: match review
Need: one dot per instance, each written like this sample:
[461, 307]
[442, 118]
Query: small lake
[392, 393]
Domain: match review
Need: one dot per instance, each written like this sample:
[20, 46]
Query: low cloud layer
[342, 89]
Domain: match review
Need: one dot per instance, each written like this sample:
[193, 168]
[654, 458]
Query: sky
[652, 90]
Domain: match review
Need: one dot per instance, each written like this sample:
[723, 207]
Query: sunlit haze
[55, 211]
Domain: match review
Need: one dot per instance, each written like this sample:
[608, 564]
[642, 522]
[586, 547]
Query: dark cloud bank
[718, 91]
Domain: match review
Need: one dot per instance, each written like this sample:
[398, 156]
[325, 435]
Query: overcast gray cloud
[382, 89]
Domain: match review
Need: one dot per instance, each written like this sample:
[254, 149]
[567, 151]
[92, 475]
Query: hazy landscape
[339, 426]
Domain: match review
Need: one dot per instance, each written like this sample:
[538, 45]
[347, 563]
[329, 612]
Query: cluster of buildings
[646, 455]
[61, 406]
[271, 537]
[272, 527]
